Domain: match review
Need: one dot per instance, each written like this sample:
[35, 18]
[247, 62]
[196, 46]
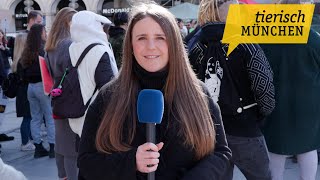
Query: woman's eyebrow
[141, 35]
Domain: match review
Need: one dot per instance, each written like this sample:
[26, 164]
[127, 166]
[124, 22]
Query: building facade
[13, 13]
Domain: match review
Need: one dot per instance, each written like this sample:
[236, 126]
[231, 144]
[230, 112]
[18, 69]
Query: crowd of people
[220, 111]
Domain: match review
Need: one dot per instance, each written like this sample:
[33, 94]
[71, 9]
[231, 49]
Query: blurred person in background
[40, 104]
[193, 25]
[106, 28]
[4, 63]
[116, 35]
[5, 52]
[34, 17]
[22, 103]
[182, 27]
[241, 83]
[294, 127]
[98, 66]
[57, 60]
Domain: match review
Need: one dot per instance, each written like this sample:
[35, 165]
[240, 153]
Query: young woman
[5, 52]
[57, 48]
[22, 103]
[191, 141]
[40, 104]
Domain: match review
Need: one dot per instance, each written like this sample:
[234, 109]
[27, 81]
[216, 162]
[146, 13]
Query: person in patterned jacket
[241, 83]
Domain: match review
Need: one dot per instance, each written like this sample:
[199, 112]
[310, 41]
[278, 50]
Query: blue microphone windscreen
[150, 106]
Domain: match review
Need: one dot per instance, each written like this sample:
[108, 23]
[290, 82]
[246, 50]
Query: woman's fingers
[150, 169]
[147, 157]
[146, 151]
[150, 155]
[149, 146]
[150, 161]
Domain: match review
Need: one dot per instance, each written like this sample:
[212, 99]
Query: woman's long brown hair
[184, 97]
[33, 44]
[60, 28]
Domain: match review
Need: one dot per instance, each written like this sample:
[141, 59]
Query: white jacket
[86, 29]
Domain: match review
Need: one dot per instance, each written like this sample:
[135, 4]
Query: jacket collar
[213, 31]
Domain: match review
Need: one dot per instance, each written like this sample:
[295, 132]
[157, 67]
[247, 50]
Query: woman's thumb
[160, 145]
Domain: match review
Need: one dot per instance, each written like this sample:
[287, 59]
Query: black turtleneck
[150, 80]
[153, 80]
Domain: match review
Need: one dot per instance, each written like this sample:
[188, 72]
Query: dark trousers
[250, 155]
[67, 166]
[25, 130]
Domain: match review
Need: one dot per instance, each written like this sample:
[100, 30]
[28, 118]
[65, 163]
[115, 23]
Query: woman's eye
[141, 38]
[161, 38]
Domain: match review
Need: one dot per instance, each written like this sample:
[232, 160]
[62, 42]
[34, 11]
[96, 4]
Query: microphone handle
[151, 132]
[151, 137]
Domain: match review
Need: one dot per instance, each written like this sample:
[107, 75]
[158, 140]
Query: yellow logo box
[267, 23]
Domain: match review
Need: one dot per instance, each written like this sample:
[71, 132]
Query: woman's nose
[151, 44]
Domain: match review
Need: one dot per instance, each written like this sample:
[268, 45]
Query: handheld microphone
[150, 108]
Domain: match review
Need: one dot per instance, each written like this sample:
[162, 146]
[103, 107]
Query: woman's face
[44, 34]
[150, 46]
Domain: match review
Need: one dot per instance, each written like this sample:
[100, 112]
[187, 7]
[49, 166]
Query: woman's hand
[147, 157]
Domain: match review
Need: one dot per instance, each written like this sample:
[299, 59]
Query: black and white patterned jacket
[241, 83]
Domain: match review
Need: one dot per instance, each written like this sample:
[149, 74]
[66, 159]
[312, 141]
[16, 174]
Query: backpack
[10, 85]
[67, 99]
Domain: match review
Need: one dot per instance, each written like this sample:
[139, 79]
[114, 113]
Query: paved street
[45, 169]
